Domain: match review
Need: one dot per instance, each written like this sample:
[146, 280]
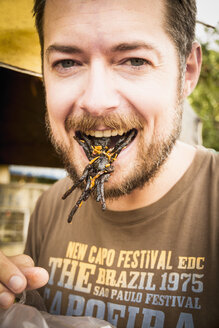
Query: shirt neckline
[161, 205]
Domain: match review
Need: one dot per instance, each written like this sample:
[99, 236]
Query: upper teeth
[105, 133]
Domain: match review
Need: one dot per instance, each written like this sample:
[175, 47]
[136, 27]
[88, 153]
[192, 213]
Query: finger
[22, 260]
[11, 276]
[6, 297]
[36, 277]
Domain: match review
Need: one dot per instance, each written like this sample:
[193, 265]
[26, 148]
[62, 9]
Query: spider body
[99, 168]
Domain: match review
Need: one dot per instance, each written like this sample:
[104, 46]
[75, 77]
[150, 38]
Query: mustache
[112, 121]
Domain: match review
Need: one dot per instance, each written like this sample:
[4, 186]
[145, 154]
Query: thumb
[36, 277]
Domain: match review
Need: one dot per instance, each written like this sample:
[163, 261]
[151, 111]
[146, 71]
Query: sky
[208, 12]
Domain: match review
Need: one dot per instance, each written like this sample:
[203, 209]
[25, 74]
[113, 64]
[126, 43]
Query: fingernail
[5, 299]
[16, 283]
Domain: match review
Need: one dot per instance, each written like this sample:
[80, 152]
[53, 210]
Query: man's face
[110, 67]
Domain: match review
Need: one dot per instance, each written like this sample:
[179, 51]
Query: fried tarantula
[99, 168]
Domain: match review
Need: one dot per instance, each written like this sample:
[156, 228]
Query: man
[150, 259]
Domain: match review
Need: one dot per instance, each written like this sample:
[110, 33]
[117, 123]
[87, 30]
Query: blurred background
[28, 163]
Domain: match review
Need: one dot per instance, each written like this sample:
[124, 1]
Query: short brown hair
[179, 24]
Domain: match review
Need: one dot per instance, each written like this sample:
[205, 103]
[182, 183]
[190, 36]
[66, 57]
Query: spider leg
[100, 189]
[84, 196]
[84, 146]
[89, 145]
[82, 178]
[87, 140]
[74, 209]
[123, 143]
[100, 182]
[119, 143]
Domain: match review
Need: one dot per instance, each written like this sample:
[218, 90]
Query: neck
[173, 169]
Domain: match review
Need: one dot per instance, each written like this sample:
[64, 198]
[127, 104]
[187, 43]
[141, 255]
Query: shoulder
[210, 158]
[50, 206]
[58, 188]
[51, 199]
[207, 163]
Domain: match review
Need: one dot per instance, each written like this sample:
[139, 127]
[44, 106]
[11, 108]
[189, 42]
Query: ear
[193, 68]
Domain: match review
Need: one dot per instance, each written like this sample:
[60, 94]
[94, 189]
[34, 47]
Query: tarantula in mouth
[101, 153]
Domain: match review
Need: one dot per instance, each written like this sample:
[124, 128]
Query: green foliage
[205, 98]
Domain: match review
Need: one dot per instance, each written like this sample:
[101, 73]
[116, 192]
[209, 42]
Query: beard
[150, 156]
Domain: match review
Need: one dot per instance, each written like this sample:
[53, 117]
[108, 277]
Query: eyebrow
[63, 49]
[133, 46]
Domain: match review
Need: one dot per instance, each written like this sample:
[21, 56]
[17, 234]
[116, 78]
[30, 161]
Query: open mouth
[102, 149]
[108, 139]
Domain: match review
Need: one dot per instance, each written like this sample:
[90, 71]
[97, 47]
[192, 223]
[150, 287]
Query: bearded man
[111, 70]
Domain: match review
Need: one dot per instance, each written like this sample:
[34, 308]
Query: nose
[99, 96]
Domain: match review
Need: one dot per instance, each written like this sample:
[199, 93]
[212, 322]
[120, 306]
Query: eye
[66, 66]
[67, 63]
[137, 62]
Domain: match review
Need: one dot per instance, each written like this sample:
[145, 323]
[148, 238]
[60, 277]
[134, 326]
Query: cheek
[154, 103]
[58, 102]
[59, 105]
[61, 95]
[151, 96]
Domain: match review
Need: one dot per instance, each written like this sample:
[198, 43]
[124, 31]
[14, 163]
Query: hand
[18, 273]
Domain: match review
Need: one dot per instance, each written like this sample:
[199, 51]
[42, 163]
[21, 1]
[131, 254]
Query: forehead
[103, 19]
[101, 7]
